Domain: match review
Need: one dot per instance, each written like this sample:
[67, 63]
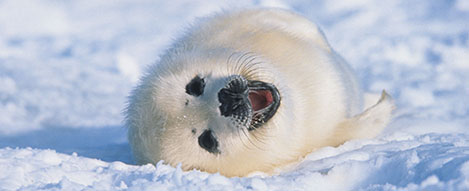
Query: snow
[66, 68]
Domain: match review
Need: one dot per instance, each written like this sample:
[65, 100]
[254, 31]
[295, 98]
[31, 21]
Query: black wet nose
[208, 142]
[234, 97]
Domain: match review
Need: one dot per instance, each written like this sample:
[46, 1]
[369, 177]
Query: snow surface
[66, 68]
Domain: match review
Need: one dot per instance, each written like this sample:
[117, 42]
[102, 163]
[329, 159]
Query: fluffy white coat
[321, 102]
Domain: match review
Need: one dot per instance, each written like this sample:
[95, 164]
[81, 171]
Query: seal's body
[248, 91]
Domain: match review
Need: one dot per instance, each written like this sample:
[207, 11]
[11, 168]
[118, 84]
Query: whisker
[252, 56]
[241, 139]
[252, 143]
[247, 136]
[228, 61]
[238, 64]
[250, 70]
[258, 139]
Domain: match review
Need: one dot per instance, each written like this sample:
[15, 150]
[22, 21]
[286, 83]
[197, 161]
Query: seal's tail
[369, 123]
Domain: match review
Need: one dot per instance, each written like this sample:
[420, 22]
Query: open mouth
[265, 100]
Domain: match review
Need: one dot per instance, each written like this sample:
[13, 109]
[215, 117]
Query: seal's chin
[265, 100]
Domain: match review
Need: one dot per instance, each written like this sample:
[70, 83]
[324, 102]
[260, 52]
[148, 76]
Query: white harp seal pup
[248, 91]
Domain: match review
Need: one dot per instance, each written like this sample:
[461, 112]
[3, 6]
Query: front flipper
[367, 124]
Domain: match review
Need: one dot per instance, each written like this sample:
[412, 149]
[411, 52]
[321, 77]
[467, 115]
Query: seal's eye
[208, 142]
[196, 86]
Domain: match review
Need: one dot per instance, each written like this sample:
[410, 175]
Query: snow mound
[399, 162]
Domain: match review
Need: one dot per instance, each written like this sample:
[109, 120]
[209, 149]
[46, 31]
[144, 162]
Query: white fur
[320, 97]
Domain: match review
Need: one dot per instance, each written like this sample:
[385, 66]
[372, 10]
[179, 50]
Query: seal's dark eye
[196, 86]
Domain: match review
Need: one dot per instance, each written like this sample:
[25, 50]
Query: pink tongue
[260, 99]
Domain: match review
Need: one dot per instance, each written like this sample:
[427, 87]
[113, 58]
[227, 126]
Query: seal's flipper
[367, 124]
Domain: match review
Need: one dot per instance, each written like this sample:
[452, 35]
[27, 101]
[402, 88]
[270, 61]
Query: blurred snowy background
[66, 68]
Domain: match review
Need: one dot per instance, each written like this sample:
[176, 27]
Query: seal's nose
[234, 97]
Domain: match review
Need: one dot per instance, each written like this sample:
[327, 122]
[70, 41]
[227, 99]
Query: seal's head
[214, 113]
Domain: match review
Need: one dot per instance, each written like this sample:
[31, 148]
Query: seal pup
[246, 91]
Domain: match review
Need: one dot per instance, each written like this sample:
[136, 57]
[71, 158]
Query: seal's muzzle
[234, 98]
[252, 102]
